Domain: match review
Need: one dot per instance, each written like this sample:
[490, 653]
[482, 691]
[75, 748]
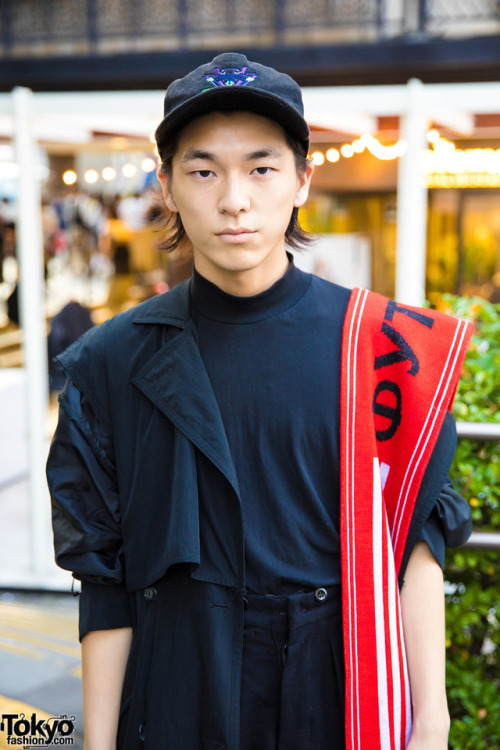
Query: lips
[239, 230]
[237, 236]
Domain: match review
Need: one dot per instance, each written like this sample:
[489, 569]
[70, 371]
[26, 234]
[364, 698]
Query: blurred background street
[40, 665]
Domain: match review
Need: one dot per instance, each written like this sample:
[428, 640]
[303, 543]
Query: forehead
[237, 129]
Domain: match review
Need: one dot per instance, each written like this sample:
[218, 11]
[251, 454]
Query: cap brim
[232, 98]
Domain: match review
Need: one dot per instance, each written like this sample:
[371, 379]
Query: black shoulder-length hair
[176, 237]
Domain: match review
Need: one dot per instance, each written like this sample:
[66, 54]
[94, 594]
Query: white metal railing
[478, 430]
[481, 431]
[483, 540]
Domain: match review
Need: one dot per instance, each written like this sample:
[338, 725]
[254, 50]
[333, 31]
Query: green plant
[478, 701]
[473, 595]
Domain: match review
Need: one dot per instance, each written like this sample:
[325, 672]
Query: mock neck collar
[209, 300]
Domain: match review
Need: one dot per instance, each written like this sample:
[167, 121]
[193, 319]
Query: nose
[234, 198]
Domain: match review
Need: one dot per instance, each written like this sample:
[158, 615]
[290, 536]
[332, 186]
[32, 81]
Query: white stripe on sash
[393, 634]
[350, 514]
[349, 449]
[378, 579]
[406, 677]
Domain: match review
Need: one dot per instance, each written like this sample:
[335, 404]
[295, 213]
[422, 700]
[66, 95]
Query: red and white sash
[400, 370]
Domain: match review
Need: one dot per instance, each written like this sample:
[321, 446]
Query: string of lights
[365, 142]
[444, 164]
[108, 174]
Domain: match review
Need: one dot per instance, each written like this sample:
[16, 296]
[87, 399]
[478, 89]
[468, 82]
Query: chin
[235, 260]
[241, 259]
[241, 267]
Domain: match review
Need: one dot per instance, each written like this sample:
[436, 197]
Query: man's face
[234, 183]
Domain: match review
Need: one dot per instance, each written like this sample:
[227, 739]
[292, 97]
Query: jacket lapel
[176, 381]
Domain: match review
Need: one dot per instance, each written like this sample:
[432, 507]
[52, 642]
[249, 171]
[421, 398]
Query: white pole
[32, 316]
[412, 201]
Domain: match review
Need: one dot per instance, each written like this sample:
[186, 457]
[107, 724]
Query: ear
[166, 190]
[304, 184]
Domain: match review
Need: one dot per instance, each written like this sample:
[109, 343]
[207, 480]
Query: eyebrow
[262, 153]
[196, 153]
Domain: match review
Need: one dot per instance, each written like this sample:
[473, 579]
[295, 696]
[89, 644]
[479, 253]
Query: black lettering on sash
[403, 353]
[393, 307]
[393, 413]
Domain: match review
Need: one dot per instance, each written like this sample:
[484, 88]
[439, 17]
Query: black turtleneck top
[273, 360]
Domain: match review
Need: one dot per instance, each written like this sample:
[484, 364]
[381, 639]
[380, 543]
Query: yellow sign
[464, 180]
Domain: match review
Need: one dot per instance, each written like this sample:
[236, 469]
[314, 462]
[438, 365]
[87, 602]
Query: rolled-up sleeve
[448, 519]
[442, 517]
[86, 514]
[103, 608]
[449, 524]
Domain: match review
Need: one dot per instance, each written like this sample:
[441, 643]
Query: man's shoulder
[324, 286]
[118, 339]
[330, 296]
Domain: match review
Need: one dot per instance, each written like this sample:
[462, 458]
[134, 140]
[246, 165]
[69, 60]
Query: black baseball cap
[231, 82]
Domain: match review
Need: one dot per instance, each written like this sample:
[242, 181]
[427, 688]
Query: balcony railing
[59, 27]
[91, 21]
[433, 12]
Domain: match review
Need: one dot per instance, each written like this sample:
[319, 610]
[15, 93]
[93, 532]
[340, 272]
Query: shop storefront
[355, 194]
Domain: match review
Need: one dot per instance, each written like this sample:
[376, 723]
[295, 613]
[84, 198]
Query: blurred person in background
[7, 212]
[66, 327]
[7, 232]
[115, 242]
[1, 248]
[198, 475]
[117, 234]
[9, 251]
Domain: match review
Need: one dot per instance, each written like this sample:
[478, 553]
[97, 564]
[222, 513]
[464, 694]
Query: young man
[196, 471]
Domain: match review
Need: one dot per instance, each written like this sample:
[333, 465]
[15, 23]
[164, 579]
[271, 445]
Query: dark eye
[204, 173]
[263, 170]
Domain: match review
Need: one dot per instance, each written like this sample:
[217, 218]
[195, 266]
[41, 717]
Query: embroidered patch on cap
[229, 77]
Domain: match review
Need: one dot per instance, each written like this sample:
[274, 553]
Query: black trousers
[293, 672]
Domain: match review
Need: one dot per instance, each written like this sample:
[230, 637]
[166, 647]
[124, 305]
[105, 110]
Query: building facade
[99, 44]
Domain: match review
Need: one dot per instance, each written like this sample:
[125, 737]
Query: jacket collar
[176, 381]
[171, 308]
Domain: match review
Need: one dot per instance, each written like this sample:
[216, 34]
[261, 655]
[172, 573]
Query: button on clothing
[293, 686]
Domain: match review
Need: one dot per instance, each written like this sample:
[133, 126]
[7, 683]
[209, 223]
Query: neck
[248, 281]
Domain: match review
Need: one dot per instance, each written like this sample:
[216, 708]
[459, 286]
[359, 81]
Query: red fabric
[400, 370]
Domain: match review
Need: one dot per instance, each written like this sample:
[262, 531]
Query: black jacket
[146, 512]
[136, 467]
